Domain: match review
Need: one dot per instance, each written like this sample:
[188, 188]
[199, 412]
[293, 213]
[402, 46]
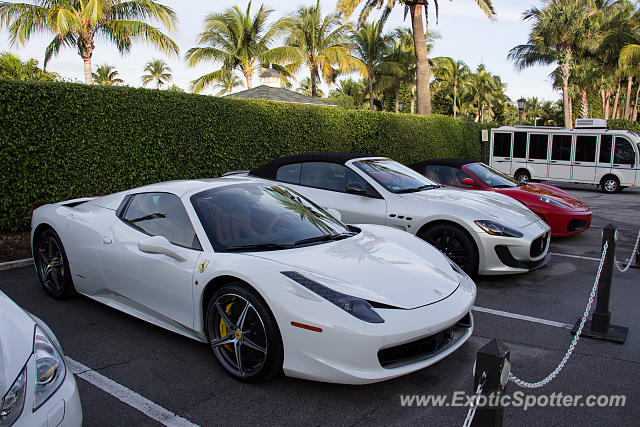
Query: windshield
[263, 217]
[395, 177]
[491, 177]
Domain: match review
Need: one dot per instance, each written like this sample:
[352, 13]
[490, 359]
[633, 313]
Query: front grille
[538, 246]
[424, 347]
[576, 225]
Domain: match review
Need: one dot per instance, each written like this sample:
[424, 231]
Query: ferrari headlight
[551, 201]
[355, 306]
[457, 268]
[496, 229]
[13, 401]
[50, 368]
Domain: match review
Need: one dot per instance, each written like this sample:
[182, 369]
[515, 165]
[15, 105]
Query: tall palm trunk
[397, 95]
[85, 50]
[627, 104]
[584, 104]
[564, 70]
[370, 80]
[158, 83]
[615, 102]
[455, 98]
[605, 103]
[249, 78]
[413, 99]
[314, 82]
[635, 105]
[420, 46]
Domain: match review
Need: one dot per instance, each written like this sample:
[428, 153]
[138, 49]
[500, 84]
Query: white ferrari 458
[269, 279]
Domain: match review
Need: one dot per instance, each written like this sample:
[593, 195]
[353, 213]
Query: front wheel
[455, 243]
[522, 176]
[52, 265]
[243, 334]
[610, 184]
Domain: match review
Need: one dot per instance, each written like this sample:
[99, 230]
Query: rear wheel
[243, 334]
[522, 176]
[52, 265]
[454, 243]
[610, 184]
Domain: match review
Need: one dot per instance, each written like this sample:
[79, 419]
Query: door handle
[554, 161]
[577, 163]
[616, 166]
[107, 240]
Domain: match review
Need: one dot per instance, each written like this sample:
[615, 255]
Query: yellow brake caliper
[224, 329]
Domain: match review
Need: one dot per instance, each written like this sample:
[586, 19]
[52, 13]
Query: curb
[15, 264]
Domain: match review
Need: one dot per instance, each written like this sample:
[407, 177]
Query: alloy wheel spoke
[243, 316]
[249, 343]
[224, 316]
[228, 339]
[50, 248]
[237, 349]
[47, 272]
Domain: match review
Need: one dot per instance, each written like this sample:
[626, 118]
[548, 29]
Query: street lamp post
[521, 102]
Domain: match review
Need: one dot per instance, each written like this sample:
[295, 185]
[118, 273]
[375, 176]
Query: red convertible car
[565, 214]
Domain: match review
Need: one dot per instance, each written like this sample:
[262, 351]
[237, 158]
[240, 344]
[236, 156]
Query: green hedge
[61, 140]
[624, 124]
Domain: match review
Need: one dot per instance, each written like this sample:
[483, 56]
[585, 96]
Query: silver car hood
[405, 272]
[16, 341]
[492, 206]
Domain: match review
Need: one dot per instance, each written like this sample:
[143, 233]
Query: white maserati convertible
[270, 280]
[487, 233]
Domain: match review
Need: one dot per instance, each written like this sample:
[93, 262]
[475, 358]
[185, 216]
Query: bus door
[519, 158]
[560, 163]
[501, 152]
[605, 151]
[624, 160]
[538, 155]
[583, 167]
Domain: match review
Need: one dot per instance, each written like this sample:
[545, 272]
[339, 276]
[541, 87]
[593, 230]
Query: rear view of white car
[36, 387]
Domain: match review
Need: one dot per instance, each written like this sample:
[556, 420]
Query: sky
[465, 34]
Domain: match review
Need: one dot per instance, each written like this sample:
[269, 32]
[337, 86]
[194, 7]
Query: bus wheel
[610, 184]
[522, 176]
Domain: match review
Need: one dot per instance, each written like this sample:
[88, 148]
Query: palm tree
[227, 83]
[175, 88]
[482, 86]
[559, 30]
[452, 72]
[416, 9]
[76, 24]
[106, 75]
[354, 89]
[398, 65]
[241, 42]
[306, 87]
[370, 47]
[12, 67]
[158, 70]
[318, 43]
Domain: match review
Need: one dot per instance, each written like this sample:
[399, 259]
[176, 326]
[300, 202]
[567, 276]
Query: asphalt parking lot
[182, 376]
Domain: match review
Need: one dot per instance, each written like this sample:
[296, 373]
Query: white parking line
[522, 317]
[125, 395]
[575, 256]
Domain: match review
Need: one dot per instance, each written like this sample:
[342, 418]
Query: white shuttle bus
[590, 153]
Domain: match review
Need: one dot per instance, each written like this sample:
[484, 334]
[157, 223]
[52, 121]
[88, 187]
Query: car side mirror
[356, 188]
[470, 182]
[334, 213]
[159, 245]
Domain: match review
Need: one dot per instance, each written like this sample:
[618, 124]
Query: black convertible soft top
[270, 169]
[456, 163]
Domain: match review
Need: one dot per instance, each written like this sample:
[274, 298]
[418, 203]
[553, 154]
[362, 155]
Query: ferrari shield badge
[203, 265]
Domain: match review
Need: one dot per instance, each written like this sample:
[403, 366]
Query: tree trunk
[455, 98]
[370, 80]
[605, 103]
[88, 78]
[564, 69]
[627, 104]
[635, 105]
[158, 84]
[420, 46]
[615, 102]
[413, 99]
[584, 104]
[397, 90]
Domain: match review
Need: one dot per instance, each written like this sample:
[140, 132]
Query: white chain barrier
[576, 338]
[472, 409]
[633, 256]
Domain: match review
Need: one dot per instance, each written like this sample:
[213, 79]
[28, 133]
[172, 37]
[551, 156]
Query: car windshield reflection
[490, 176]
[255, 217]
[395, 177]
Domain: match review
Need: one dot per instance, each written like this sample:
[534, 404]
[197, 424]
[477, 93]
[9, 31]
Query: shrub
[624, 124]
[63, 140]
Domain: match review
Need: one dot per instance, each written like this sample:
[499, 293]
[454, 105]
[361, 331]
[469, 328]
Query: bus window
[624, 153]
[502, 144]
[538, 146]
[520, 145]
[585, 148]
[561, 147]
[605, 149]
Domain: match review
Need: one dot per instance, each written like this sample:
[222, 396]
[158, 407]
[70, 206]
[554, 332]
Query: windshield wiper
[258, 247]
[324, 238]
[416, 189]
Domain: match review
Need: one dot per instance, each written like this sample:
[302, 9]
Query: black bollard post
[493, 359]
[600, 326]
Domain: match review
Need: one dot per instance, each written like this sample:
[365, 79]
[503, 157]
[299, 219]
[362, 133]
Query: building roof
[278, 94]
[453, 162]
[270, 73]
[270, 170]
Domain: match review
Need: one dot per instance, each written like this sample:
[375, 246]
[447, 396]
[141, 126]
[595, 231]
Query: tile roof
[278, 94]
